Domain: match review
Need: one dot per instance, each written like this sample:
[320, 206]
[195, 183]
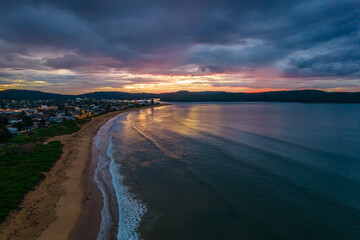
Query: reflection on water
[243, 170]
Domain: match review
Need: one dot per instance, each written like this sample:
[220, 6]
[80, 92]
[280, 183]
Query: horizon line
[277, 90]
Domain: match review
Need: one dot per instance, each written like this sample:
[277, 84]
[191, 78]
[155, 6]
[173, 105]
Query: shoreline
[88, 224]
[55, 208]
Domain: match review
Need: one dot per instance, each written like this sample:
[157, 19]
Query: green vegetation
[25, 158]
[26, 122]
[4, 133]
[55, 129]
[21, 168]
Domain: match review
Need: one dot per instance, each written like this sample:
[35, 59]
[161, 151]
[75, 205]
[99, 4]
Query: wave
[154, 142]
[102, 177]
[128, 211]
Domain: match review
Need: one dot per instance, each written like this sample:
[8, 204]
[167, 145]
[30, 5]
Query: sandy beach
[54, 207]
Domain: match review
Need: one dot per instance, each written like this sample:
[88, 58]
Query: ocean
[231, 171]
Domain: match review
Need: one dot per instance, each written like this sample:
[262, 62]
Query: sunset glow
[215, 46]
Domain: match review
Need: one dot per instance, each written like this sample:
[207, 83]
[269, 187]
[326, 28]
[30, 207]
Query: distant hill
[119, 95]
[305, 96]
[14, 94]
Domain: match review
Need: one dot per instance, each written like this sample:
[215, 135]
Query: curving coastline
[54, 208]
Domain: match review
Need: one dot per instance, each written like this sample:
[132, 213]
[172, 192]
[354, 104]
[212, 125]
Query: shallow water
[231, 171]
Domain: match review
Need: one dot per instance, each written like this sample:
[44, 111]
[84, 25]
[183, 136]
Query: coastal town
[24, 116]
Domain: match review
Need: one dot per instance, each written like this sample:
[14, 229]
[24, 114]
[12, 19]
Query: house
[55, 119]
[69, 117]
[15, 121]
[13, 131]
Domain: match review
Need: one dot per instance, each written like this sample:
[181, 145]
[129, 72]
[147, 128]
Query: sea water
[231, 171]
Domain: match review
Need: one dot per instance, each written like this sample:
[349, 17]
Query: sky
[164, 46]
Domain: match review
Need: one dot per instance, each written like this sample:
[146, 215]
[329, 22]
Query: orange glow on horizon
[260, 80]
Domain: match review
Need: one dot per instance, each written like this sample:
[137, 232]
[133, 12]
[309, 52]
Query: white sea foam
[110, 181]
[130, 209]
[102, 179]
[104, 231]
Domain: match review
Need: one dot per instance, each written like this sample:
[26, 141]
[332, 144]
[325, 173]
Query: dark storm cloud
[13, 60]
[302, 38]
[68, 61]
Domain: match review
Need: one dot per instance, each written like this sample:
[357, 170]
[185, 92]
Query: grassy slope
[19, 172]
[25, 158]
[52, 130]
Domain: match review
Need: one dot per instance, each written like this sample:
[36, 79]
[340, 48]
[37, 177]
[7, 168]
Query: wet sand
[55, 206]
[89, 223]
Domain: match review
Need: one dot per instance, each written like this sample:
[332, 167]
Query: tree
[19, 125]
[28, 122]
[4, 135]
[3, 122]
[61, 107]
[108, 107]
[4, 132]
[42, 122]
[22, 114]
[152, 101]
